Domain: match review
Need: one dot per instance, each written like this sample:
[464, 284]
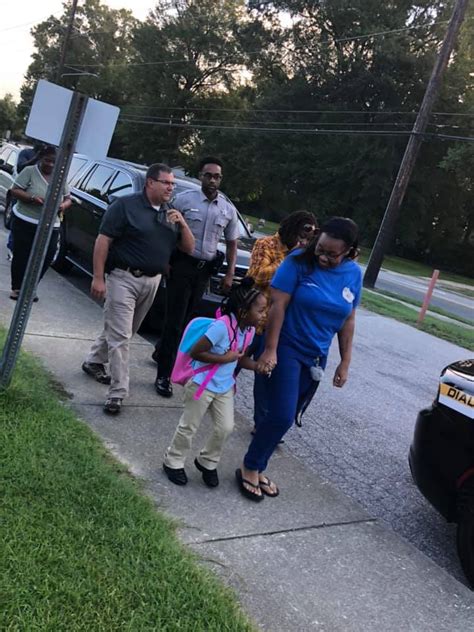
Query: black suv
[96, 183]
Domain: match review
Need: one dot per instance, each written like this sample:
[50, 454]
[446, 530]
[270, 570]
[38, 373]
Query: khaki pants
[127, 302]
[221, 408]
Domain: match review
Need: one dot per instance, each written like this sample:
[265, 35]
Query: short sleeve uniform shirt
[142, 236]
[208, 220]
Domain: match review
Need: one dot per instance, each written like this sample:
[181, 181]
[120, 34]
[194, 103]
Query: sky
[17, 17]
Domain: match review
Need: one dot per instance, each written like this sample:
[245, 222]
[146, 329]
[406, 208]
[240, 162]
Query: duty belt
[136, 272]
[200, 264]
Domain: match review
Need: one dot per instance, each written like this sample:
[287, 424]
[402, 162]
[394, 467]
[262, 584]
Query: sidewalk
[310, 559]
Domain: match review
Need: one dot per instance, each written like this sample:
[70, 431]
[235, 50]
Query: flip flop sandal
[247, 493]
[267, 483]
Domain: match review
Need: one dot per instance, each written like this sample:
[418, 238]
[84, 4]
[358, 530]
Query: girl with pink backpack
[211, 381]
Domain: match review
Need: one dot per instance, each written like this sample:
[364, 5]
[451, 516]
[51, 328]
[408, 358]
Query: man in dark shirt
[136, 237]
[29, 156]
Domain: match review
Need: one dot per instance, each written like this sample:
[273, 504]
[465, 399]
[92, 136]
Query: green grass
[447, 331]
[415, 268]
[431, 308]
[270, 228]
[83, 548]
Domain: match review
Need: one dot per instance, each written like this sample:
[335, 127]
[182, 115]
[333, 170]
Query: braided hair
[239, 300]
[292, 225]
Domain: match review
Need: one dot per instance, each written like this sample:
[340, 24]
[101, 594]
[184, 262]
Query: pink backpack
[183, 370]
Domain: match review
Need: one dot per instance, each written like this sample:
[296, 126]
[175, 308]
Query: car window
[243, 230]
[121, 185]
[12, 158]
[97, 181]
[5, 152]
[76, 164]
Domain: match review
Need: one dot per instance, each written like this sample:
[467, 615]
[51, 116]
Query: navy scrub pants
[287, 387]
[260, 384]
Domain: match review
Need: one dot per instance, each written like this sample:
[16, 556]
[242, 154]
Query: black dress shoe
[163, 386]
[208, 476]
[175, 475]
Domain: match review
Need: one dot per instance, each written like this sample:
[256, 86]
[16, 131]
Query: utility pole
[67, 37]
[411, 152]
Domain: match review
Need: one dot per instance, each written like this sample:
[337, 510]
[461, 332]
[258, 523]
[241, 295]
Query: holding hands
[267, 362]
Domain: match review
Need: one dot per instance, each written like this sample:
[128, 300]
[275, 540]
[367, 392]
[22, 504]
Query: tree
[100, 45]
[186, 54]
[9, 119]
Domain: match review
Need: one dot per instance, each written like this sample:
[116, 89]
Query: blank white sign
[49, 112]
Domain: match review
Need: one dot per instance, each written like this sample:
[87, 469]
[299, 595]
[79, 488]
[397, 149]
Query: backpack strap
[231, 322]
[211, 371]
[249, 335]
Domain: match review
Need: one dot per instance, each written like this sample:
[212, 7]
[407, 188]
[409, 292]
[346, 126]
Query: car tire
[465, 532]
[60, 263]
[7, 213]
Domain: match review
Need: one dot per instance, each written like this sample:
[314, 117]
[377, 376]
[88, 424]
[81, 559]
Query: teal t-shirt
[223, 379]
[321, 301]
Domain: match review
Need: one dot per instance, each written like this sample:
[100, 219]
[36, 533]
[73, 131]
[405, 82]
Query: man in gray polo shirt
[136, 237]
[209, 215]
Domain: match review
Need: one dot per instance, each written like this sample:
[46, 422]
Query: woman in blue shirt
[315, 293]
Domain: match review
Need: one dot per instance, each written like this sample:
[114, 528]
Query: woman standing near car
[315, 293]
[29, 189]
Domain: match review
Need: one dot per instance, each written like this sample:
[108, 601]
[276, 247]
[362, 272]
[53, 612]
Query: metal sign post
[44, 231]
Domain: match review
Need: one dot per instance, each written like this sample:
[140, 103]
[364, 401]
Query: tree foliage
[9, 118]
[307, 101]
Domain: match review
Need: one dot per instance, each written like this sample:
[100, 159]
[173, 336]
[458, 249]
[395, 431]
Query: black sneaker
[175, 475]
[97, 371]
[208, 476]
[113, 406]
[163, 386]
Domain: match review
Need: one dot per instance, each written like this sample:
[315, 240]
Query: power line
[292, 123]
[371, 112]
[18, 26]
[260, 51]
[294, 131]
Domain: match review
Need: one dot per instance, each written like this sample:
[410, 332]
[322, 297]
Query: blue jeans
[285, 390]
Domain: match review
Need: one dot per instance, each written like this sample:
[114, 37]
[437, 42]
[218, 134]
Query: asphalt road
[415, 288]
[358, 437]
